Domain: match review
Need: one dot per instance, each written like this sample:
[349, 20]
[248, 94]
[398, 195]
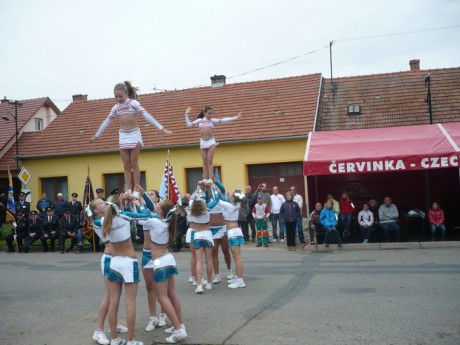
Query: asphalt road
[343, 297]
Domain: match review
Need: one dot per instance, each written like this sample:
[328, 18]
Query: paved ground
[338, 297]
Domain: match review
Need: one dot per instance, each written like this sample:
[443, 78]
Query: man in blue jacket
[328, 220]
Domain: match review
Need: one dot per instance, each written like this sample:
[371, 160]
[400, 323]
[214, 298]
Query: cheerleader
[202, 241]
[218, 229]
[95, 211]
[231, 210]
[208, 144]
[189, 237]
[124, 269]
[162, 234]
[130, 137]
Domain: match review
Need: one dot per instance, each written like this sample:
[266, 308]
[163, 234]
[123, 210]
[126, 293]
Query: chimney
[414, 65]
[218, 81]
[80, 98]
[4, 100]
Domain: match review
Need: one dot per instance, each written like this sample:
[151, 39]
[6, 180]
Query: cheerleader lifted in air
[208, 144]
[130, 137]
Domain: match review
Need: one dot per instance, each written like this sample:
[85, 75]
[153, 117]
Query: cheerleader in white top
[162, 233]
[130, 138]
[124, 269]
[207, 142]
[189, 237]
[95, 212]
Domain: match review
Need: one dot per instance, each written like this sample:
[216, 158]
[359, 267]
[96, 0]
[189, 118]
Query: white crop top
[159, 231]
[230, 211]
[97, 226]
[121, 230]
[202, 219]
[190, 218]
[217, 209]
[207, 123]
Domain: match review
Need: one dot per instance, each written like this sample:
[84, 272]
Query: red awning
[383, 149]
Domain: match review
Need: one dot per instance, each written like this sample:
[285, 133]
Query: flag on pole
[88, 195]
[168, 188]
[10, 206]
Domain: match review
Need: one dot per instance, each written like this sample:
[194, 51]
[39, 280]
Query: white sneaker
[170, 330]
[199, 289]
[274, 240]
[203, 282]
[230, 274]
[135, 342]
[122, 329]
[153, 321]
[118, 341]
[238, 284]
[209, 287]
[100, 338]
[162, 320]
[191, 279]
[216, 280]
[282, 240]
[176, 336]
[231, 281]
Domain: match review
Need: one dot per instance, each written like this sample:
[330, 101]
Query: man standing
[276, 202]
[262, 189]
[299, 200]
[60, 205]
[42, 205]
[388, 214]
[100, 194]
[251, 202]
[23, 205]
[75, 206]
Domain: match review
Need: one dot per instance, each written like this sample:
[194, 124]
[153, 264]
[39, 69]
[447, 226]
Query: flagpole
[168, 186]
[89, 196]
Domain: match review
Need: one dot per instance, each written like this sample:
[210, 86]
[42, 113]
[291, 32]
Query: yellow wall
[233, 159]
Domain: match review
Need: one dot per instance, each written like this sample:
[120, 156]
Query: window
[291, 169]
[262, 170]
[117, 181]
[54, 185]
[38, 124]
[354, 109]
[196, 174]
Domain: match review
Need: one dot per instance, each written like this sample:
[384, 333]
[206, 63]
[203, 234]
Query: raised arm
[140, 109]
[106, 123]
[187, 118]
[227, 119]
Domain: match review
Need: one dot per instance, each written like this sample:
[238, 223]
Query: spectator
[276, 202]
[262, 189]
[366, 223]
[374, 208]
[3, 203]
[69, 229]
[436, 219]
[299, 200]
[75, 206]
[346, 212]
[290, 212]
[22, 230]
[60, 205]
[251, 202]
[243, 218]
[314, 223]
[23, 205]
[42, 205]
[100, 194]
[181, 224]
[261, 212]
[35, 230]
[51, 227]
[388, 214]
[328, 220]
[335, 203]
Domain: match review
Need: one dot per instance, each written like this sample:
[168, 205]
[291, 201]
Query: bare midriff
[201, 227]
[108, 248]
[231, 225]
[123, 249]
[128, 122]
[147, 240]
[159, 250]
[206, 133]
[217, 219]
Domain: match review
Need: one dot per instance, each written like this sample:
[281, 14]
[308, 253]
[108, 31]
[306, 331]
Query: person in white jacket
[277, 200]
[366, 223]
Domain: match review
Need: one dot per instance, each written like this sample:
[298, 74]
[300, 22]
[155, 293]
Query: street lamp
[6, 117]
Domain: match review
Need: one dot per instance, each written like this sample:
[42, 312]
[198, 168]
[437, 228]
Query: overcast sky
[59, 48]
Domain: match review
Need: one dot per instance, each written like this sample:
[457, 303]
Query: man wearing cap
[42, 205]
[100, 194]
[22, 225]
[23, 205]
[60, 205]
[75, 206]
[69, 228]
[51, 227]
[35, 230]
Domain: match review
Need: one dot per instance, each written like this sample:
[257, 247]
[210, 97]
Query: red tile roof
[389, 100]
[276, 108]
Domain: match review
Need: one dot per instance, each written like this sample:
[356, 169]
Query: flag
[216, 174]
[88, 195]
[10, 206]
[168, 188]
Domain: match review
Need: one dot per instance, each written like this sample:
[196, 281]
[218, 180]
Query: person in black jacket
[290, 212]
[251, 202]
[22, 225]
[51, 226]
[23, 205]
[69, 228]
[75, 206]
[181, 225]
[35, 230]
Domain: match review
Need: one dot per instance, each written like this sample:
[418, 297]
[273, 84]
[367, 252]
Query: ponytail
[169, 212]
[130, 90]
[110, 214]
[204, 111]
